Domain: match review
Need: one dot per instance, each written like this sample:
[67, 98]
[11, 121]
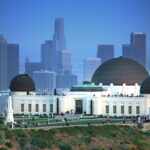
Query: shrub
[8, 144]
[64, 146]
[2, 137]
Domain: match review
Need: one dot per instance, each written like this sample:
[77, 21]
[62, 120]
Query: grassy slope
[82, 138]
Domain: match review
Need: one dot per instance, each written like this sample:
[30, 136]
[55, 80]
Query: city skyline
[85, 27]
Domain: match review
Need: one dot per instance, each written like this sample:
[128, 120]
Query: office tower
[49, 55]
[89, 67]
[105, 52]
[12, 61]
[30, 67]
[66, 61]
[3, 63]
[65, 80]
[60, 45]
[138, 42]
[9, 62]
[137, 48]
[45, 81]
[59, 35]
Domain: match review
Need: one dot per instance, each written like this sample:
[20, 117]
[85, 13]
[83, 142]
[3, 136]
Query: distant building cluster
[55, 68]
[136, 50]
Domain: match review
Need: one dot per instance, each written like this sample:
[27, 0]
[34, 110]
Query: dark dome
[145, 87]
[120, 70]
[22, 82]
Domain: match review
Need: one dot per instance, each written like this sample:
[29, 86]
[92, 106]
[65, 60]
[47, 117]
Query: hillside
[105, 137]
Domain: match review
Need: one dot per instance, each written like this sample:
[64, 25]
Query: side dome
[145, 87]
[22, 83]
[120, 70]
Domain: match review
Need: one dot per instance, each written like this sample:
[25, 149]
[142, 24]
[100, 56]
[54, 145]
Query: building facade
[105, 52]
[89, 67]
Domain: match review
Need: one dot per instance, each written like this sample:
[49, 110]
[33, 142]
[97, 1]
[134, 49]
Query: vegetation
[104, 137]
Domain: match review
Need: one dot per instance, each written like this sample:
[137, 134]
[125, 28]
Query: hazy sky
[87, 23]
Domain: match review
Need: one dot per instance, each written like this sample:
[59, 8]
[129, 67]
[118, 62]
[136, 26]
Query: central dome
[22, 83]
[120, 70]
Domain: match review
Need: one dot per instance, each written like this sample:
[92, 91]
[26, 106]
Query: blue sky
[87, 23]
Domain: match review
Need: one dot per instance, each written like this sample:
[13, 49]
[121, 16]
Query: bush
[8, 144]
[3, 148]
[2, 137]
[64, 146]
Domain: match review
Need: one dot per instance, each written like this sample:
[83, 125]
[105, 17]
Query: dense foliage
[75, 138]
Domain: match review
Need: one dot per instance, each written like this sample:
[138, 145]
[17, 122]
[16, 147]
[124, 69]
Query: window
[22, 107]
[137, 109]
[130, 109]
[44, 107]
[107, 109]
[29, 108]
[122, 109]
[37, 107]
[51, 108]
[114, 109]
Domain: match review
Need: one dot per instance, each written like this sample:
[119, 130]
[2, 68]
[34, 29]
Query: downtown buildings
[9, 62]
[55, 58]
[136, 50]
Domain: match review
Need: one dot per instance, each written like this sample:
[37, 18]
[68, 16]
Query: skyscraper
[3, 63]
[49, 55]
[138, 42]
[12, 61]
[65, 80]
[137, 48]
[9, 62]
[45, 81]
[89, 67]
[59, 35]
[57, 58]
[105, 52]
[30, 67]
[66, 61]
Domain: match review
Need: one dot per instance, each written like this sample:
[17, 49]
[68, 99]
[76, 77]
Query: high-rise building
[138, 42]
[49, 56]
[65, 80]
[127, 50]
[59, 35]
[30, 67]
[57, 58]
[89, 67]
[3, 63]
[105, 52]
[9, 62]
[137, 48]
[66, 61]
[12, 61]
[45, 81]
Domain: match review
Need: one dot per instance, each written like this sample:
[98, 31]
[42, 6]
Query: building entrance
[78, 106]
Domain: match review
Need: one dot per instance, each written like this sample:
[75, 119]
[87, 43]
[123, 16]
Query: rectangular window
[29, 108]
[37, 107]
[107, 109]
[137, 109]
[51, 108]
[130, 109]
[122, 109]
[44, 107]
[22, 107]
[114, 109]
